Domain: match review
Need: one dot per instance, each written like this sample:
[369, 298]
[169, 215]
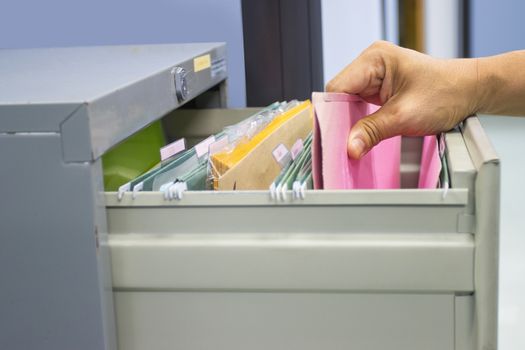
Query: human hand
[419, 95]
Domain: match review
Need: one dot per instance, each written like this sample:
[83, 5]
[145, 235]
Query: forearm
[501, 84]
[420, 95]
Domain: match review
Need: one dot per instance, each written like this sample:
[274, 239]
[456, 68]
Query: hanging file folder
[251, 165]
[335, 114]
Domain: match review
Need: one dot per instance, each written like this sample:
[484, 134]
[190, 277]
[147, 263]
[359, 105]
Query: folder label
[218, 145]
[281, 155]
[296, 148]
[203, 147]
[172, 149]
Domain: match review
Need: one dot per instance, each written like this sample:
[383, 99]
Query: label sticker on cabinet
[201, 62]
[218, 67]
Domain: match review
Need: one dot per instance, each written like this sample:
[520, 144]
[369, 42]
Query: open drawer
[401, 269]
[363, 268]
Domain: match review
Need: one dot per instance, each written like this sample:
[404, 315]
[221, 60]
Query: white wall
[496, 27]
[442, 28]
[349, 27]
[392, 21]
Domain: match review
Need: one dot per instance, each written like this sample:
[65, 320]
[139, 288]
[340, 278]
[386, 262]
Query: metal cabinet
[402, 269]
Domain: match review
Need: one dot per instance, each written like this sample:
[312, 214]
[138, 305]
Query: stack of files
[182, 169]
[253, 165]
[296, 175]
[261, 152]
[166, 173]
[251, 126]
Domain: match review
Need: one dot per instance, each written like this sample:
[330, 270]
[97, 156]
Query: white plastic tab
[297, 148]
[176, 190]
[296, 188]
[203, 147]
[165, 189]
[283, 191]
[172, 149]
[272, 190]
[124, 188]
[218, 145]
[165, 186]
[281, 155]
[303, 190]
[445, 189]
[278, 192]
[137, 188]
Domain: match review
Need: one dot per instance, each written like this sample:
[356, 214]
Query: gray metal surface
[464, 172]
[60, 110]
[506, 134]
[55, 265]
[486, 260]
[401, 211]
[85, 74]
[55, 286]
[313, 244]
[465, 327]
[401, 263]
[102, 94]
[194, 320]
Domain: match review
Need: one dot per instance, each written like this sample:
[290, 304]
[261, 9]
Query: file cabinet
[362, 269]
[401, 269]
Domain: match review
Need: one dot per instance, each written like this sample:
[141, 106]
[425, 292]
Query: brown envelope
[258, 168]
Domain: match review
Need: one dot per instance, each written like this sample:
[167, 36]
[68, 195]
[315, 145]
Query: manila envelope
[257, 167]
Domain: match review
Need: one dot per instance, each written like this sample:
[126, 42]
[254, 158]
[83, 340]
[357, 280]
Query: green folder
[132, 157]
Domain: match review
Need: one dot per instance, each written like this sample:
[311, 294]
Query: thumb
[371, 130]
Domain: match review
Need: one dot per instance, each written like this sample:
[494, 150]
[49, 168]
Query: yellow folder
[251, 165]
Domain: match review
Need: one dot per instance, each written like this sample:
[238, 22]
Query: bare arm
[502, 83]
[421, 95]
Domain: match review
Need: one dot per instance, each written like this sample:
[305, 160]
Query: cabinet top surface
[82, 74]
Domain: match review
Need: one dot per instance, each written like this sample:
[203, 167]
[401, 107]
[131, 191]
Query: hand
[419, 95]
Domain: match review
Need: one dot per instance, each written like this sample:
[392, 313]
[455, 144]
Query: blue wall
[33, 23]
[496, 26]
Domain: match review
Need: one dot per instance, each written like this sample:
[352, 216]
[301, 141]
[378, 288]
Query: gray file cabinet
[397, 269]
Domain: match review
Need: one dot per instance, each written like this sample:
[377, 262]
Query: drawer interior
[197, 124]
[428, 231]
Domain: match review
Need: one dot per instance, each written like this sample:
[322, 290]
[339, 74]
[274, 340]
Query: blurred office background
[281, 49]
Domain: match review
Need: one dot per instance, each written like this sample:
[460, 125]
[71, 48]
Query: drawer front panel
[288, 321]
[357, 262]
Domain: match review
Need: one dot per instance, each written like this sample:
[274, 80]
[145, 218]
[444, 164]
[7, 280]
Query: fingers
[364, 76]
[371, 130]
[354, 79]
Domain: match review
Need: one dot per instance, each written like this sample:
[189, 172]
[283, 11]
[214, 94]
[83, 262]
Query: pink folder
[335, 114]
[430, 163]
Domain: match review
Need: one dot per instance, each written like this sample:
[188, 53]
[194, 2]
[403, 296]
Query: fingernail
[358, 147]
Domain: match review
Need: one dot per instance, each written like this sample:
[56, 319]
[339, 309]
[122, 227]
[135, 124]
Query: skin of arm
[421, 95]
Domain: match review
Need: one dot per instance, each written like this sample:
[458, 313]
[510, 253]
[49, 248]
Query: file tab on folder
[251, 165]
